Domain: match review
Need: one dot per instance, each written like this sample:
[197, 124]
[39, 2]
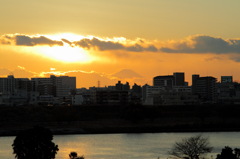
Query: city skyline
[165, 90]
[119, 40]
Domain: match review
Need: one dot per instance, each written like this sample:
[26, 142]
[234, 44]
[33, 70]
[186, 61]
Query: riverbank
[120, 119]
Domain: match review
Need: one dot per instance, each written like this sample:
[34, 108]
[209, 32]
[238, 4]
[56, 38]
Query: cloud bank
[103, 45]
[204, 44]
[26, 40]
[196, 44]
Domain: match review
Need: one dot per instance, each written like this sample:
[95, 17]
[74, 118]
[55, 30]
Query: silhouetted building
[120, 86]
[136, 94]
[16, 91]
[7, 85]
[64, 85]
[228, 91]
[163, 81]
[205, 88]
[45, 86]
[150, 92]
[179, 79]
[111, 97]
[226, 79]
[137, 89]
[160, 95]
[195, 77]
[55, 86]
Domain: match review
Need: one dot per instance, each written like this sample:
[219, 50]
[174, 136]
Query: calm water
[125, 146]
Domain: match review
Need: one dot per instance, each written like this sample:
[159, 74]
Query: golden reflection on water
[124, 146]
[65, 147]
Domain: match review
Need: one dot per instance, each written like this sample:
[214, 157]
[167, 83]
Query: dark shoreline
[121, 119]
[92, 129]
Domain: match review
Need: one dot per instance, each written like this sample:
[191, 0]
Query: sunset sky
[111, 40]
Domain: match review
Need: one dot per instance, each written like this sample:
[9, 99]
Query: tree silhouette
[73, 155]
[227, 153]
[191, 147]
[35, 143]
[237, 153]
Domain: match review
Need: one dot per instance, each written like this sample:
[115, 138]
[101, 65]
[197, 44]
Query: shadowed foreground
[120, 119]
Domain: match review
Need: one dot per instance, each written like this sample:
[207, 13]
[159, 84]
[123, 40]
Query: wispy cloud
[62, 73]
[19, 72]
[90, 78]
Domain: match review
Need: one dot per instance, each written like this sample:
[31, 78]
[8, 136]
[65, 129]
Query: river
[126, 146]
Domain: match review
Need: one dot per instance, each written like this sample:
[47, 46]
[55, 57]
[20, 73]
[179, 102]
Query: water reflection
[125, 146]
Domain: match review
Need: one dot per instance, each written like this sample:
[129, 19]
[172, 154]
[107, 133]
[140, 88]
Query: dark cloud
[32, 41]
[193, 44]
[67, 41]
[99, 44]
[110, 45]
[152, 48]
[204, 44]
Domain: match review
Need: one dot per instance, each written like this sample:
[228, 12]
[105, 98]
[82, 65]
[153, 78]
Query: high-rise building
[16, 91]
[64, 85]
[55, 86]
[11, 85]
[195, 77]
[165, 81]
[205, 87]
[179, 79]
[45, 86]
[7, 85]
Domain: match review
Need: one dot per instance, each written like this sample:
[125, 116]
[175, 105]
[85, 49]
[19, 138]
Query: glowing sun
[66, 54]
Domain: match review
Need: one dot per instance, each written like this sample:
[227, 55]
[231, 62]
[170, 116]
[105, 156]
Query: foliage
[227, 153]
[191, 147]
[35, 143]
[73, 155]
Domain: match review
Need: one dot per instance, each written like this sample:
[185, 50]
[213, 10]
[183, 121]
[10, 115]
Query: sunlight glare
[66, 54]
[68, 36]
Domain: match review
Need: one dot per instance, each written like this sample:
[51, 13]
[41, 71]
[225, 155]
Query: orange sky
[133, 41]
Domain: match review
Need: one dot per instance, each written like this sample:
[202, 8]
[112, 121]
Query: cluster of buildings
[36, 91]
[165, 90]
